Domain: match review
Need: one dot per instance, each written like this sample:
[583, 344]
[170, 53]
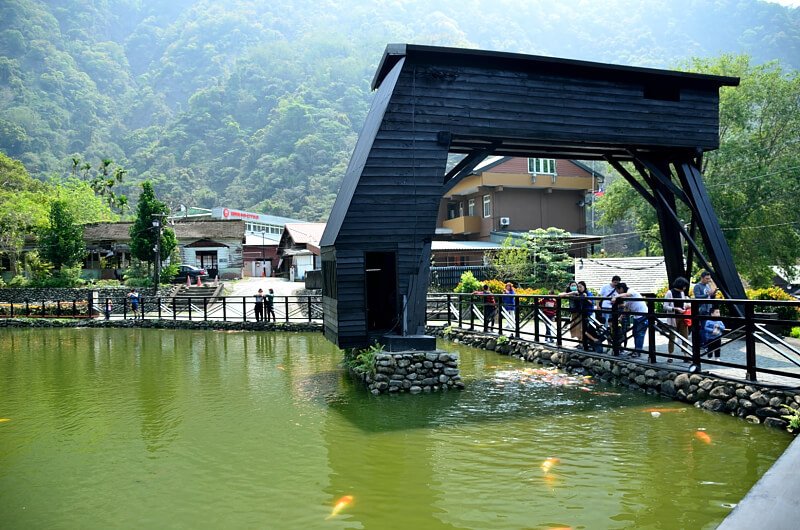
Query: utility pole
[157, 225]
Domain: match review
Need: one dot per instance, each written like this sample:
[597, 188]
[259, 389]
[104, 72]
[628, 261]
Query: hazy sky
[790, 3]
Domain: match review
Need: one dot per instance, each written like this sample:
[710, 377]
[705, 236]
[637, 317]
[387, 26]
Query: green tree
[103, 180]
[751, 179]
[511, 262]
[23, 208]
[551, 265]
[61, 242]
[143, 234]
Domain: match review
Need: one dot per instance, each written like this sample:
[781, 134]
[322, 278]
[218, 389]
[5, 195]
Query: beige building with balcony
[508, 194]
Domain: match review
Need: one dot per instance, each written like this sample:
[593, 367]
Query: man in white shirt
[604, 306]
[634, 304]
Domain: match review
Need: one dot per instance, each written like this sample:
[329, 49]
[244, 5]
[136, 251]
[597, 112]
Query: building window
[461, 209]
[452, 210]
[542, 166]
[487, 205]
[471, 207]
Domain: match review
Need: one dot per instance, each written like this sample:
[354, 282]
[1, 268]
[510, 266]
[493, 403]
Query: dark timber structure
[434, 101]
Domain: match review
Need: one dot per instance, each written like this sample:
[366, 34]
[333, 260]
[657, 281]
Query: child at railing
[711, 334]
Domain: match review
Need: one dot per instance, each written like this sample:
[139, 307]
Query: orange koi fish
[3, 420]
[548, 464]
[280, 367]
[340, 505]
[702, 436]
[664, 410]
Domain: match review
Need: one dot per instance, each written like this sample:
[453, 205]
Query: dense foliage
[61, 241]
[258, 103]
[144, 235]
[752, 178]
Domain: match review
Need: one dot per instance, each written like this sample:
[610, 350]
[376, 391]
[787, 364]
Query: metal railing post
[309, 308]
[174, 312]
[651, 332]
[472, 313]
[224, 309]
[189, 306]
[74, 308]
[286, 307]
[558, 324]
[697, 341]
[27, 309]
[517, 307]
[12, 309]
[460, 299]
[205, 308]
[449, 316]
[750, 341]
[244, 309]
[536, 320]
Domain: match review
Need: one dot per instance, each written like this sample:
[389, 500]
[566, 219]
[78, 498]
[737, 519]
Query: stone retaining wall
[158, 324]
[412, 372]
[754, 403]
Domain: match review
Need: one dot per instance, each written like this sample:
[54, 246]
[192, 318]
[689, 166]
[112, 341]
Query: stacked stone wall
[752, 402]
[413, 372]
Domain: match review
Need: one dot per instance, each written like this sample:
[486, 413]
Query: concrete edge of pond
[159, 324]
[773, 501]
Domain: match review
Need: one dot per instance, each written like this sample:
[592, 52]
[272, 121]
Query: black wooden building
[434, 101]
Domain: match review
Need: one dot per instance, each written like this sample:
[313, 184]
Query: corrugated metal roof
[645, 275]
[464, 245]
[257, 240]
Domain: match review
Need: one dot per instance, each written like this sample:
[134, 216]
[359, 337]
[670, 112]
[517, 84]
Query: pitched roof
[643, 275]
[304, 233]
[206, 229]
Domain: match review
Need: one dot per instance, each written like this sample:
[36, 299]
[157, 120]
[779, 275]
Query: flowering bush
[774, 293]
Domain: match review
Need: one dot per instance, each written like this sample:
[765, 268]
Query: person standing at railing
[635, 305]
[133, 297]
[509, 301]
[676, 305]
[271, 306]
[607, 293]
[580, 307]
[549, 308]
[259, 307]
[711, 334]
[705, 290]
[489, 307]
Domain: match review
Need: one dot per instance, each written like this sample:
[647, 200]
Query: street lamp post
[157, 224]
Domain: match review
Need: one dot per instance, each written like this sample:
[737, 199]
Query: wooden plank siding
[391, 192]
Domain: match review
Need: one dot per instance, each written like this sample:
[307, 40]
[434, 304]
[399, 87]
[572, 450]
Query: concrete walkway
[250, 286]
[773, 502]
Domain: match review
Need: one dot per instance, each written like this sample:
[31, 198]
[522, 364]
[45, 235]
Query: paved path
[250, 286]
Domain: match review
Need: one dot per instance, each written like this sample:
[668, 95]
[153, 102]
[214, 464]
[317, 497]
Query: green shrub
[774, 293]
[107, 283]
[468, 283]
[18, 281]
[362, 360]
[795, 333]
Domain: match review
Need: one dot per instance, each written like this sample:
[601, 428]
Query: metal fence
[449, 277]
[755, 339]
[753, 335]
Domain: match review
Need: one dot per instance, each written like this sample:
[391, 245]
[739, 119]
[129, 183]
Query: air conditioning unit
[505, 221]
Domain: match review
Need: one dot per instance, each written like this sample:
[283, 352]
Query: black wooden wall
[432, 101]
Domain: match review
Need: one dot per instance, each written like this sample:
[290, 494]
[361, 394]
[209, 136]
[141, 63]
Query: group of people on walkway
[263, 300]
[619, 305]
[618, 300]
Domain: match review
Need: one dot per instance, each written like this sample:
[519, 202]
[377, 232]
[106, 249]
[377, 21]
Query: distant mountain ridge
[257, 104]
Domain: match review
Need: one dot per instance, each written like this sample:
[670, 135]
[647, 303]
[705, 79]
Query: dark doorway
[381, 273]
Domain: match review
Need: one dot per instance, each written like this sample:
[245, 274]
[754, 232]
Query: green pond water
[113, 428]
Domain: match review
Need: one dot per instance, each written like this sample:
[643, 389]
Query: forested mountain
[258, 103]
